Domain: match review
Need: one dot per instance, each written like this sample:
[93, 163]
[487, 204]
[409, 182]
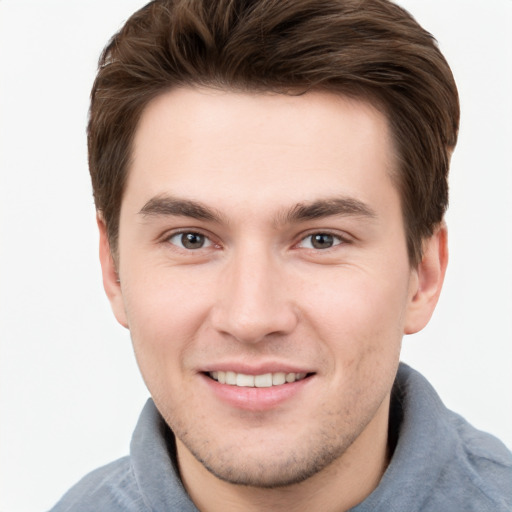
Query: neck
[336, 488]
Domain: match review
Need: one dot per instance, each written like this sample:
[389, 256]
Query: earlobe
[428, 281]
[111, 282]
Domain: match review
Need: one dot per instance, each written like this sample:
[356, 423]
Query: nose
[254, 301]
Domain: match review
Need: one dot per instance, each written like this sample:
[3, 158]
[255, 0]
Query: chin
[270, 469]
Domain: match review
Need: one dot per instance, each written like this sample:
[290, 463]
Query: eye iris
[192, 240]
[322, 241]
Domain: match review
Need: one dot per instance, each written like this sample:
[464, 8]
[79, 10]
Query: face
[264, 278]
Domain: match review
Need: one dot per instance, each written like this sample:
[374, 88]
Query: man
[271, 181]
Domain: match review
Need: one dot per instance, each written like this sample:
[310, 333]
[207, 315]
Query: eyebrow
[336, 206]
[165, 205]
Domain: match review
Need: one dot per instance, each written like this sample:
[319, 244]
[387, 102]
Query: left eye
[320, 241]
[190, 240]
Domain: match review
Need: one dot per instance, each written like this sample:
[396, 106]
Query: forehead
[267, 148]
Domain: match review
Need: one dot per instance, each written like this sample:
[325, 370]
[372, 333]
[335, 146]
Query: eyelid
[342, 239]
[166, 238]
[206, 241]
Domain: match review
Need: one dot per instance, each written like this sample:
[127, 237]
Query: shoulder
[110, 488]
[484, 462]
[456, 466]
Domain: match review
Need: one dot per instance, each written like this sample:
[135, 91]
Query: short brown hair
[370, 49]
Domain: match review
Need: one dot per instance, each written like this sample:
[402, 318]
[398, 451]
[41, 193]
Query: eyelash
[337, 240]
[207, 239]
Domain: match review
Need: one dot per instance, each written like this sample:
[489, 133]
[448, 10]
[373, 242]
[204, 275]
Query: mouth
[265, 380]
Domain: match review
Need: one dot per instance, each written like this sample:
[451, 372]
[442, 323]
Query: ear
[427, 281]
[111, 282]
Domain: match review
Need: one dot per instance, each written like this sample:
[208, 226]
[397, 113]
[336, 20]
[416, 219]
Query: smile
[265, 380]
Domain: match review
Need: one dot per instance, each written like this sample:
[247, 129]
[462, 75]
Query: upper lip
[255, 369]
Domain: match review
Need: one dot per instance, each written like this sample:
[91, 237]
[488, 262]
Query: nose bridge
[253, 302]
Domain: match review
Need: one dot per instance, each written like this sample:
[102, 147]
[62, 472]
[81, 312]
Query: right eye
[190, 240]
[321, 241]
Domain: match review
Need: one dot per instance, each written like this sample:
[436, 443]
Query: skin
[242, 171]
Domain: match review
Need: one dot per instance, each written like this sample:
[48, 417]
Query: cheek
[360, 314]
[164, 314]
[360, 324]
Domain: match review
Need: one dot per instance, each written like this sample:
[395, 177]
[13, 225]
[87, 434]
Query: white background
[70, 390]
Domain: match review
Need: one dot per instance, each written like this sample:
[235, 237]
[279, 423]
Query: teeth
[245, 381]
[265, 380]
[278, 378]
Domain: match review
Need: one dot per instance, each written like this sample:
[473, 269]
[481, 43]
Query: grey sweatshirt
[440, 464]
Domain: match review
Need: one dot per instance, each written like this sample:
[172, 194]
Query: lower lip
[256, 399]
